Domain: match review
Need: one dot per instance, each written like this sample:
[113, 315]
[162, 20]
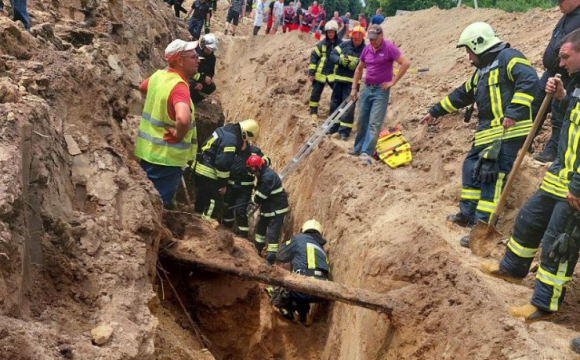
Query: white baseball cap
[178, 45]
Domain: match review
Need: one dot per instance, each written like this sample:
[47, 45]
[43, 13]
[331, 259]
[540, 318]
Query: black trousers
[315, 94]
[268, 230]
[236, 200]
[208, 201]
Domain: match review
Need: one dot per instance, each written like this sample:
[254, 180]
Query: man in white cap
[167, 137]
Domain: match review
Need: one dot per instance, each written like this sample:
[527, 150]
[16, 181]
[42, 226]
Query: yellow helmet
[250, 129]
[358, 29]
[312, 225]
[478, 37]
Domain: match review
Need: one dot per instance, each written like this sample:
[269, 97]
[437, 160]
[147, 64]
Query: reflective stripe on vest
[150, 145]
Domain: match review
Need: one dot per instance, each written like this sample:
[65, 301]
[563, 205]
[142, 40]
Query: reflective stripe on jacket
[218, 155]
[346, 49]
[504, 88]
[150, 145]
[305, 252]
[319, 67]
[270, 194]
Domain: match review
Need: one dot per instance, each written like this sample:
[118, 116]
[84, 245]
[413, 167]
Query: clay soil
[82, 229]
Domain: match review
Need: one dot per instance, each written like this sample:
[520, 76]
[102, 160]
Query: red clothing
[338, 21]
[315, 10]
[363, 23]
[179, 94]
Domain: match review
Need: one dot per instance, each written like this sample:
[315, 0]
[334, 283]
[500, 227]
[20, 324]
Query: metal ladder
[313, 141]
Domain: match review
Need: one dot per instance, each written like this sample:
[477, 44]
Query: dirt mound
[80, 224]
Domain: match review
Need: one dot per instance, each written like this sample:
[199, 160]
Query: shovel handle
[520, 158]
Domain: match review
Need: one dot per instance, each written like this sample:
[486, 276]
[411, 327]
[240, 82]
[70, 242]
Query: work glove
[270, 258]
[353, 64]
[343, 61]
[486, 171]
[567, 245]
[251, 209]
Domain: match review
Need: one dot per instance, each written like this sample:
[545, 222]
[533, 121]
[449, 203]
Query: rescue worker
[288, 17]
[200, 17]
[272, 200]
[320, 70]
[345, 56]
[202, 84]
[167, 137]
[305, 252]
[551, 216]
[567, 23]
[503, 86]
[212, 170]
[239, 191]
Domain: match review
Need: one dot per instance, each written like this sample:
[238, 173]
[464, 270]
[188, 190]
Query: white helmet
[331, 26]
[311, 225]
[478, 37]
[209, 41]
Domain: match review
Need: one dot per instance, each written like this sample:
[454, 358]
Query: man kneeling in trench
[308, 258]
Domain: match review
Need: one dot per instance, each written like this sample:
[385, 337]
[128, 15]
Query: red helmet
[254, 162]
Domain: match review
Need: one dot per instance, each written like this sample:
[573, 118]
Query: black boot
[575, 345]
[460, 219]
[547, 155]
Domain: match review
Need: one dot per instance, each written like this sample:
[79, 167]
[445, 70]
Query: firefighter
[239, 191]
[305, 252]
[272, 199]
[212, 170]
[551, 216]
[503, 87]
[202, 84]
[345, 56]
[320, 70]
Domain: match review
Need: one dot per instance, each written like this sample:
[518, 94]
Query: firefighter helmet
[254, 162]
[209, 41]
[311, 225]
[331, 26]
[478, 37]
[358, 29]
[250, 129]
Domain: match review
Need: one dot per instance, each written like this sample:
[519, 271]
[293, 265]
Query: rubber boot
[547, 155]
[491, 268]
[530, 313]
[460, 220]
[465, 241]
[575, 345]
[90, 18]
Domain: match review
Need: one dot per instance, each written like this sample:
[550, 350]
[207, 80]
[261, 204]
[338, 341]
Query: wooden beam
[255, 270]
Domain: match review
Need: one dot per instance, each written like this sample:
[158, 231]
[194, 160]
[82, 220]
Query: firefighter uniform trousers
[316, 93]
[340, 92]
[479, 200]
[208, 201]
[268, 231]
[237, 199]
[540, 220]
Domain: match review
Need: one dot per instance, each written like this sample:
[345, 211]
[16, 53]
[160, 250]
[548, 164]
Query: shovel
[484, 236]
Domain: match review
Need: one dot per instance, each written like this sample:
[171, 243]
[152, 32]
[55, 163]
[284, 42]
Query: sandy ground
[80, 225]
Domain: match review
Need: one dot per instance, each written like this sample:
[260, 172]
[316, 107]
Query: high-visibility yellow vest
[155, 119]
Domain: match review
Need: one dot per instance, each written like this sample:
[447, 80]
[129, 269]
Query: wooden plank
[276, 276]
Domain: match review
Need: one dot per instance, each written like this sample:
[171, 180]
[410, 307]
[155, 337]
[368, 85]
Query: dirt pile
[80, 224]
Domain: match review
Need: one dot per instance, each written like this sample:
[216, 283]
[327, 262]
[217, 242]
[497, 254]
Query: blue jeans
[373, 104]
[166, 179]
[20, 12]
[195, 27]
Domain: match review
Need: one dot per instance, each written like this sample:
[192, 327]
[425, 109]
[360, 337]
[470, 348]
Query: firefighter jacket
[206, 65]
[551, 58]
[218, 154]
[345, 73]
[270, 194]
[306, 254]
[320, 67]
[503, 86]
[239, 175]
[562, 176]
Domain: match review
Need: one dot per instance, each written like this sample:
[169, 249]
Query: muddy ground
[82, 227]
